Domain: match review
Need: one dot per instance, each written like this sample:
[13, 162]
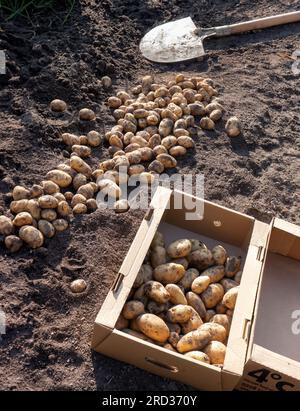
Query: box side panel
[160, 361]
[258, 377]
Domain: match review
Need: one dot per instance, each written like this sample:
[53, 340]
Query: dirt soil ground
[47, 344]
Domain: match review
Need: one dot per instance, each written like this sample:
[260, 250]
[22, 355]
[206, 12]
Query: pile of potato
[183, 299]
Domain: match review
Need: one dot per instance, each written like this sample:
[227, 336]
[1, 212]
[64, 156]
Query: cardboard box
[240, 235]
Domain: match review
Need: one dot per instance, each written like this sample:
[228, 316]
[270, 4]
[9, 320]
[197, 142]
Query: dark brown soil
[47, 345]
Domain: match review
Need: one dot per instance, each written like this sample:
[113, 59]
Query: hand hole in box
[217, 223]
[171, 368]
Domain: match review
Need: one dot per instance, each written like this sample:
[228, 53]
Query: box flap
[118, 294]
[244, 309]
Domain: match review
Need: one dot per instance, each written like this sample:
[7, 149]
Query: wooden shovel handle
[258, 24]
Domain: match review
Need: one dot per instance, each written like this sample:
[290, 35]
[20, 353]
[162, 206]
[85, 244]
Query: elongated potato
[156, 291]
[144, 275]
[216, 352]
[232, 266]
[46, 228]
[198, 356]
[228, 283]
[196, 302]
[158, 239]
[121, 323]
[153, 327]
[230, 297]
[179, 248]
[176, 295]
[200, 259]
[167, 160]
[158, 256]
[13, 243]
[222, 319]
[179, 313]
[219, 255]
[193, 323]
[168, 273]
[212, 295]
[80, 166]
[216, 330]
[50, 187]
[59, 177]
[215, 273]
[194, 340]
[188, 278]
[132, 309]
[200, 284]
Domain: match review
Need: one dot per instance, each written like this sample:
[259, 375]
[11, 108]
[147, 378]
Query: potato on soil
[69, 195]
[158, 256]
[106, 82]
[80, 209]
[78, 199]
[36, 191]
[233, 127]
[58, 105]
[230, 297]
[132, 309]
[78, 286]
[144, 275]
[228, 283]
[83, 140]
[168, 273]
[48, 214]
[86, 190]
[108, 187]
[193, 323]
[188, 278]
[80, 166]
[13, 243]
[194, 340]
[176, 295]
[212, 295]
[121, 323]
[198, 356]
[219, 255]
[23, 218]
[156, 291]
[50, 187]
[179, 248]
[87, 114]
[232, 266]
[46, 228]
[200, 284]
[107, 164]
[59, 177]
[216, 351]
[200, 259]
[179, 313]
[222, 319]
[60, 225]
[215, 115]
[70, 139]
[121, 206]
[6, 225]
[91, 204]
[207, 123]
[196, 302]
[32, 236]
[153, 327]
[217, 331]
[167, 160]
[81, 150]
[20, 193]
[63, 209]
[177, 151]
[93, 138]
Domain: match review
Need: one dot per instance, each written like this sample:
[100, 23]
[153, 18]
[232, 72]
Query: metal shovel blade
[172, 42]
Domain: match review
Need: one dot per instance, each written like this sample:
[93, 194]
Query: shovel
[181, 40]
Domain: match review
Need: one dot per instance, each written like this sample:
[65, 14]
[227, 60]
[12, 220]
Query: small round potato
[70, 139]
[168, 273]
[230, 297]
[80, 209]
[216, 330]
[32, 236]
[219, 255]
[159, 150]
[193, 323]
[23, 218]
[13, 243]
[200, 259]
[59, 196]
[86, 190]
[168, 142]
[93, 138]
[144, 275]
[179, 313]
[177, 151]
[198, 356]
[20, 193]
[80, 166]
[121, 206]
[86, 114]
[36, 191]
[196, 302]
[212, 295]
[78, 286]
[207, 123]
[46, 228]
[60, 225]
[6, 225]
[132, 309]
[156, 291]
[233, 127]
[167, 160]
[200, 284]
[109, 188]
[215, 115]
[216, 352]
[59, 177]
[63, 209]
[194, 340]
[179, 248]
[48, 214]
[58, 105]
[158, 256]
[49, 187]
[78, 199]
[232, 266]
[153, 327]
[176, 295]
